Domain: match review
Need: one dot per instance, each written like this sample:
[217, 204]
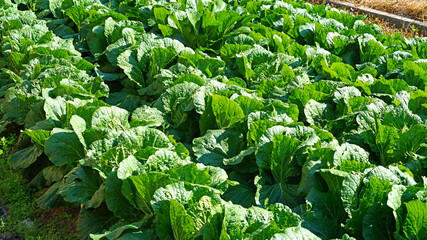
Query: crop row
[217, 119]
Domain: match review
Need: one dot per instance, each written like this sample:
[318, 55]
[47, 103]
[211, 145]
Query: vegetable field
[213, 119]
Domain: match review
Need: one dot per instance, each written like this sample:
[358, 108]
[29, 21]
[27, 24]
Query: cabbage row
[217, 119]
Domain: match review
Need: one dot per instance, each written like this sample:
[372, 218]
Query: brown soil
[57, 217]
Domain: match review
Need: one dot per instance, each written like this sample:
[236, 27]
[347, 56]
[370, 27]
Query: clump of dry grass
[415, 9]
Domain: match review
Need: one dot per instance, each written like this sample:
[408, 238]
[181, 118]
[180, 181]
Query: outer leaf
[77, 14]
[54, 173]
[183, 226]
[203, 175]
[38, 136]
[295, 233]
[147, 116]
[415, 224]
[115, 199]
[226, 111]
[110, 118]
[93, 221]
[26, 157]
[162, 161]
[81, 184]
[284, 217]
[129, 63]
[50, 198]
[122, 232]
[55, 108]
[350, 152]
[217, 145]
[128, 167]
[140, 189]
[318, 113]
[64, 147]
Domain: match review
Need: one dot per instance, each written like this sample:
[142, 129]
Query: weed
[5, 147]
